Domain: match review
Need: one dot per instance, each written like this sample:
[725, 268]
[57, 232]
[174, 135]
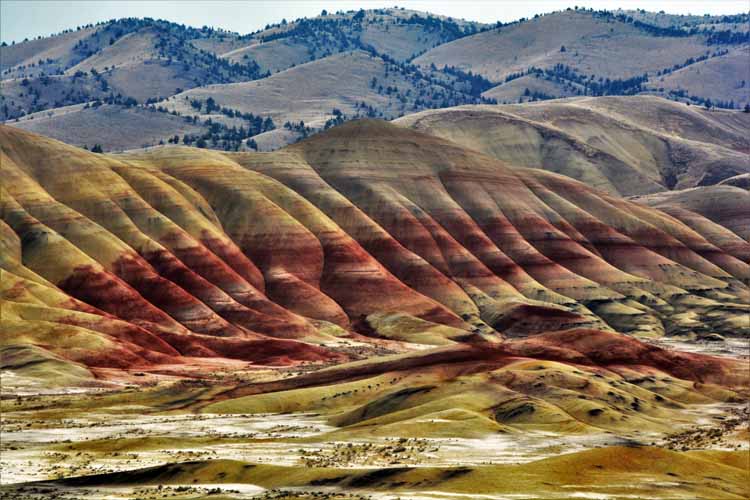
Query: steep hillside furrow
[371, 229]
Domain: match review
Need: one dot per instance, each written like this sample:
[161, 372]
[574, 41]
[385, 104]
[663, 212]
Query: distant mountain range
[133, 83]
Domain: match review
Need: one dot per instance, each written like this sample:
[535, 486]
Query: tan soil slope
[728, 206]
[311, 91]
[623, 145]
[113, 127]
[594, 46]
[721, 78]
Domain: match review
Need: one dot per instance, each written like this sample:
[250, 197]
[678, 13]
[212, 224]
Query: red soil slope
[143, 259]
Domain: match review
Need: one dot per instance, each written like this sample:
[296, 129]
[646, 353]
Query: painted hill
[368, 230]
[623, 145]
[727, 205]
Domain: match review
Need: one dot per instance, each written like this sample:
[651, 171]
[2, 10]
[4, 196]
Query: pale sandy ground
[272, 439]
[33, 444]
[730, 347]
[32, 452]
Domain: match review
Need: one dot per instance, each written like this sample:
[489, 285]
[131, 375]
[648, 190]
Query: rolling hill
[594, 45]
[727, 205]
[421, 61]
[719, 78]
[400, 34]
[356, 83]
[623, 145]
[112, 126]
[152, 59]
[602, 52]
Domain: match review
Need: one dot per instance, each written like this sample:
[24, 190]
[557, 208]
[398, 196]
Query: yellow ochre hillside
[369, 229]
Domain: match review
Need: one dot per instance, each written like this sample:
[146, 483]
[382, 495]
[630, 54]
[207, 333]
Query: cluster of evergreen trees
[651, 29]
[727, 37]
[476, 83]
[255, 123]
[45, 92]
[713, 37]
[113, 99]
[299, 127]
[434, 89]
[221, 136]
[535, 95]
[590, 84]
[703, 101]
[448, 29]
[337, 119]
[692, 60]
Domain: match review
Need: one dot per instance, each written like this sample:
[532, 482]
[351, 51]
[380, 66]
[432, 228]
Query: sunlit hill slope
[367, 230]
